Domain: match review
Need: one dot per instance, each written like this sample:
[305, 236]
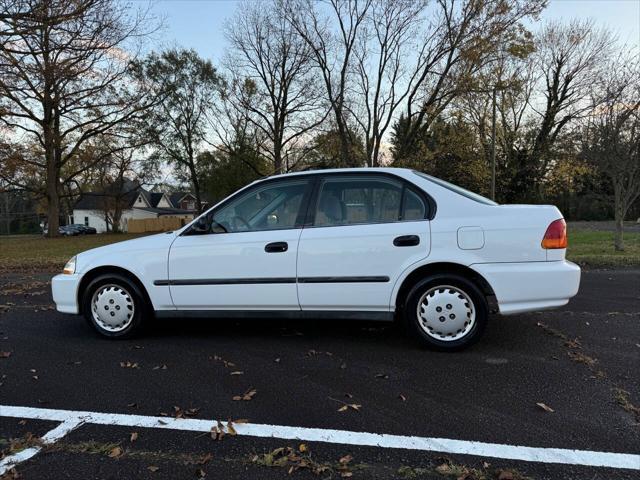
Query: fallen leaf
[237, 372]
[133, 437]
[230, 430]
[505, 475]
[346, 474]
[153, 468]
[277, 360]
[246, 396]
[545, 407]
[5, 354]
[22, 422]
[200, 473]
[346, 459]
[382, 375]
[115, 452]
[206, 459]
[132, 405]
[402, 397]
[302, 448]
[444, 469]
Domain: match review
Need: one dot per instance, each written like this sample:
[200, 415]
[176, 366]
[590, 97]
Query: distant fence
[160, 224]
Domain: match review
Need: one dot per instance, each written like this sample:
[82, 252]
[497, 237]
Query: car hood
[160, 241]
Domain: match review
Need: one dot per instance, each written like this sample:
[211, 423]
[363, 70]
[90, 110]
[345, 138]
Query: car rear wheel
[446, 312]
[114, 306]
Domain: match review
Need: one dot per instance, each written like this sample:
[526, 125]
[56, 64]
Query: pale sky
[199, 24]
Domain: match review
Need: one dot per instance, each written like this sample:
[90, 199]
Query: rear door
[365, 229]
[246, 257]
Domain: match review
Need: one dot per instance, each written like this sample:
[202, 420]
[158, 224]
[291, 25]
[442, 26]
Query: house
[95, 209]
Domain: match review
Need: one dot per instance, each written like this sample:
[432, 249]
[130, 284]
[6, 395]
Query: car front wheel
[114, 306]
[446, 312]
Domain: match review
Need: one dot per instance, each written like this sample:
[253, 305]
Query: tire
[120, 306]
[445, 312]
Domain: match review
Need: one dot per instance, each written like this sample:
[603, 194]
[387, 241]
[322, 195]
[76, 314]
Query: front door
[366, 230]
[245, 258]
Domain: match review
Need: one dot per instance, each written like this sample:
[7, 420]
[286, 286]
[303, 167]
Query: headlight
[70, 267]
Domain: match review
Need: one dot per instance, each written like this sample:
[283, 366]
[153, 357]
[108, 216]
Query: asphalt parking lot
[566, 379]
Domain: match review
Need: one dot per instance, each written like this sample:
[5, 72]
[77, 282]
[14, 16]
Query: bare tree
[186, 85]
[63, 80]
[384, 71]
[457, 41]
[567, 58]
[612, 136]
[541, 91]
[285, 103]
[333, 51]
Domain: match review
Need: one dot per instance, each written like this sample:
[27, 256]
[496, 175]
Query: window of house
[86, 221]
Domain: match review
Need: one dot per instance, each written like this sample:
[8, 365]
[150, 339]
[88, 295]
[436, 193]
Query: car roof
[341, 170]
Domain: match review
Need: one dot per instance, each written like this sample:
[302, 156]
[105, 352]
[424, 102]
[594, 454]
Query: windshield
[455, 188]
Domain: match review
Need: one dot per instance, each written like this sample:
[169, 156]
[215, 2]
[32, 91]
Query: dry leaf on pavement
[246, 396]
[115, 452]
[545, 407]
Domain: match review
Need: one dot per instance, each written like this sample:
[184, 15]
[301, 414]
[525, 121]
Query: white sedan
[374, 244]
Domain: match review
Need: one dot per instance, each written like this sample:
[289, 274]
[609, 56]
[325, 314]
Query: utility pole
[493, 145]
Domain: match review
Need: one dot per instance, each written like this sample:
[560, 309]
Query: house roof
[155, 198]
[94, 200]
[166, 211]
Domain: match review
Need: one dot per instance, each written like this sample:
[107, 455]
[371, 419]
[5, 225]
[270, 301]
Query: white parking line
[345, 437]
[8, 462]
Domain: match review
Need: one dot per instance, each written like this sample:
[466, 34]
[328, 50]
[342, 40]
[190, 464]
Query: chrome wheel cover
[112, 308]
[446, 313]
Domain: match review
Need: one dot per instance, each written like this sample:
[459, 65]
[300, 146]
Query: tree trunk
[619, 210]
[115, 221]
[196, 187]
[53, 200]
[277, 158]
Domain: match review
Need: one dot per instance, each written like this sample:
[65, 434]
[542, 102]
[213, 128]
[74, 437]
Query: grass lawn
[593, 248]
[36, 253]
[588, 247]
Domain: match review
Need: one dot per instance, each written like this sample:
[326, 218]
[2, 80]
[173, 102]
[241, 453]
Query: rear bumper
[65, 292]
[529, 286]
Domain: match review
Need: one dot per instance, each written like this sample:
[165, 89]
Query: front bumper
[529, 286]
[65, 292]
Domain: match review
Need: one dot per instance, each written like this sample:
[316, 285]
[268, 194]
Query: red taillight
[556, 235]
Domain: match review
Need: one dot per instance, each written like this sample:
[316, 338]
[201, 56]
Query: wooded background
[454, 88]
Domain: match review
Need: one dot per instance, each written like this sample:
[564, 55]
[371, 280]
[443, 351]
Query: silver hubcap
[112, 308]
[446, 313]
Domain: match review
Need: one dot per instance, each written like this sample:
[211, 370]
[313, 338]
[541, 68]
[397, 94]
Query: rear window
[455, 188]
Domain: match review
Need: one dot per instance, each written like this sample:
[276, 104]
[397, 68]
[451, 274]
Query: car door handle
[406, 241]
[276, 247]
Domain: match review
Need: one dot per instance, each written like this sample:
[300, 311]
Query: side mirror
[201, 225]
[217, 228]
